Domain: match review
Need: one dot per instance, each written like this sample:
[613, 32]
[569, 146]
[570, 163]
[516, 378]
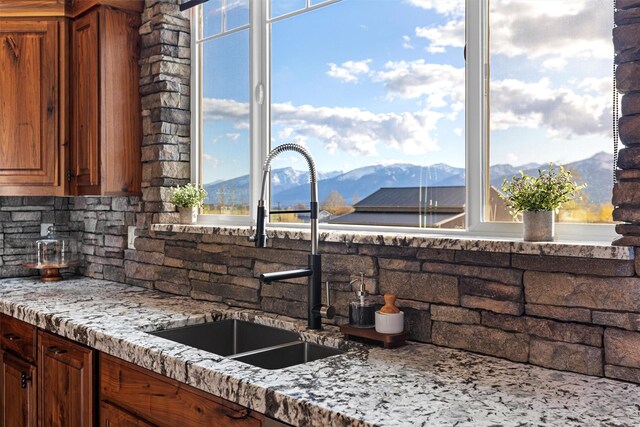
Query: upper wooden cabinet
[106, 130]
[71, 116]
[32, 120]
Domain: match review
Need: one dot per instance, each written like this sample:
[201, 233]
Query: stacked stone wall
[626, 192]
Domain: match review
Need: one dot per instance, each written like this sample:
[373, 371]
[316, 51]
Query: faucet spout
[284, 275]
[314, 270]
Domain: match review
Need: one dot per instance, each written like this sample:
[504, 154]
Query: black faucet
[316, 311]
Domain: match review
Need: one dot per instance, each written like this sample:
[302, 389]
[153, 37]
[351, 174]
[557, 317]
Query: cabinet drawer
[18, 337]
[166, 402]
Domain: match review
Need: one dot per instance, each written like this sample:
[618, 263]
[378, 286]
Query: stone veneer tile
[582, 315]
[502, 275]
[597, 267]
[622, 348]
[622, 373]
[544, 328]
[480, 339]
[497, 306]
[446, 313]
[489, 289]
[615, 293]
[425, 287]
[566, 357]
[630, 321]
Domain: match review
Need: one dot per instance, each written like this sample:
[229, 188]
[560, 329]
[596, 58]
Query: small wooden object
[389, 306]
[387, 340]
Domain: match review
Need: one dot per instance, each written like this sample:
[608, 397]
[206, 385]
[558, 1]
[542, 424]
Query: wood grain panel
[166, 402]
[17, 392]
[32, 8]
[62, 8]
[66, 387]
[120, 104]
[78, 7]
[18, 337]
[112, 416]
[29, 104]
[85, 135]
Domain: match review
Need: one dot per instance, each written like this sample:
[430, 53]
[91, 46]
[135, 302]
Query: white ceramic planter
[188, 215]
[538, 226]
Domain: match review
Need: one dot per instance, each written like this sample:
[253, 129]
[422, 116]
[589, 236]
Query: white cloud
[233, 136]
[359, 131]
[535, 29]
[224, 109]
[457, 131]
[406, 42]
[443, 7]
[561, 111]
[211, 160]
[349, 71]
[450, 34]
[351, 130]
[442, 84]
[512, 158]
[555, 64]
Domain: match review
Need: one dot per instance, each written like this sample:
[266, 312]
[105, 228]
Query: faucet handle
[327, 310]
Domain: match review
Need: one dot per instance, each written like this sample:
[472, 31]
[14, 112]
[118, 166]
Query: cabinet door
[112, 416]
[166, 402]
[29, 102]
[66, 393]
[18, 392]
[85, 113]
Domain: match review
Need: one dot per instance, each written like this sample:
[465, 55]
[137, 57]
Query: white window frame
[476, 133]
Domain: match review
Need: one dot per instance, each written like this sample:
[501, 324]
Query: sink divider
[264, 349]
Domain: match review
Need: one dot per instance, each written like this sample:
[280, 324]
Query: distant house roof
[409, 207]
[413, 199]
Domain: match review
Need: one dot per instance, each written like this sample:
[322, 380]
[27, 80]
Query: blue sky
[364, 82]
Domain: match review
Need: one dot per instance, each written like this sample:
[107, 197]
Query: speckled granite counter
[418, 385]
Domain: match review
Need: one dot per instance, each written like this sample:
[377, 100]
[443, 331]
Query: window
[405, 133]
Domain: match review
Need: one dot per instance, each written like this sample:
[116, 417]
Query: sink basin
[257, 345]
[229, 337]
[288, 355]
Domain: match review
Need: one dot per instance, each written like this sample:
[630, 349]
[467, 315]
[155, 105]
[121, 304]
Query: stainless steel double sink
[259, 345]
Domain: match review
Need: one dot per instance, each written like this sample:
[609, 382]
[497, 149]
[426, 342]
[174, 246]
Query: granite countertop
[416, 385]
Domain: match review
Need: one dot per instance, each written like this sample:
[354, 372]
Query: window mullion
[476, 75]
[258, 101]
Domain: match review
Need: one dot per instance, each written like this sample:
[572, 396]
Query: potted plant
[538, 197]
[188, 198]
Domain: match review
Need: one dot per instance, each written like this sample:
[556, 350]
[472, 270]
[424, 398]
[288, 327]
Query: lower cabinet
[50, 381]
[66, 388]
[165, 402]
[18, 388]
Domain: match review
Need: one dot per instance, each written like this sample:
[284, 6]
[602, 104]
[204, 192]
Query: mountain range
[291, 186]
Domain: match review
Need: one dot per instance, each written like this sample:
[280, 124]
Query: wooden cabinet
[106, 128]
[18, 387]
[71, 115]
[50, 381]
[32, 128]
[65, 392]
[164, 402]
[18, 378]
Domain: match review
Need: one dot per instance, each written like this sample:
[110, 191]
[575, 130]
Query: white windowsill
[583, 249]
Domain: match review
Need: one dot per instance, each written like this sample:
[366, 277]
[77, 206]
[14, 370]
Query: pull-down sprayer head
[260, 236]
